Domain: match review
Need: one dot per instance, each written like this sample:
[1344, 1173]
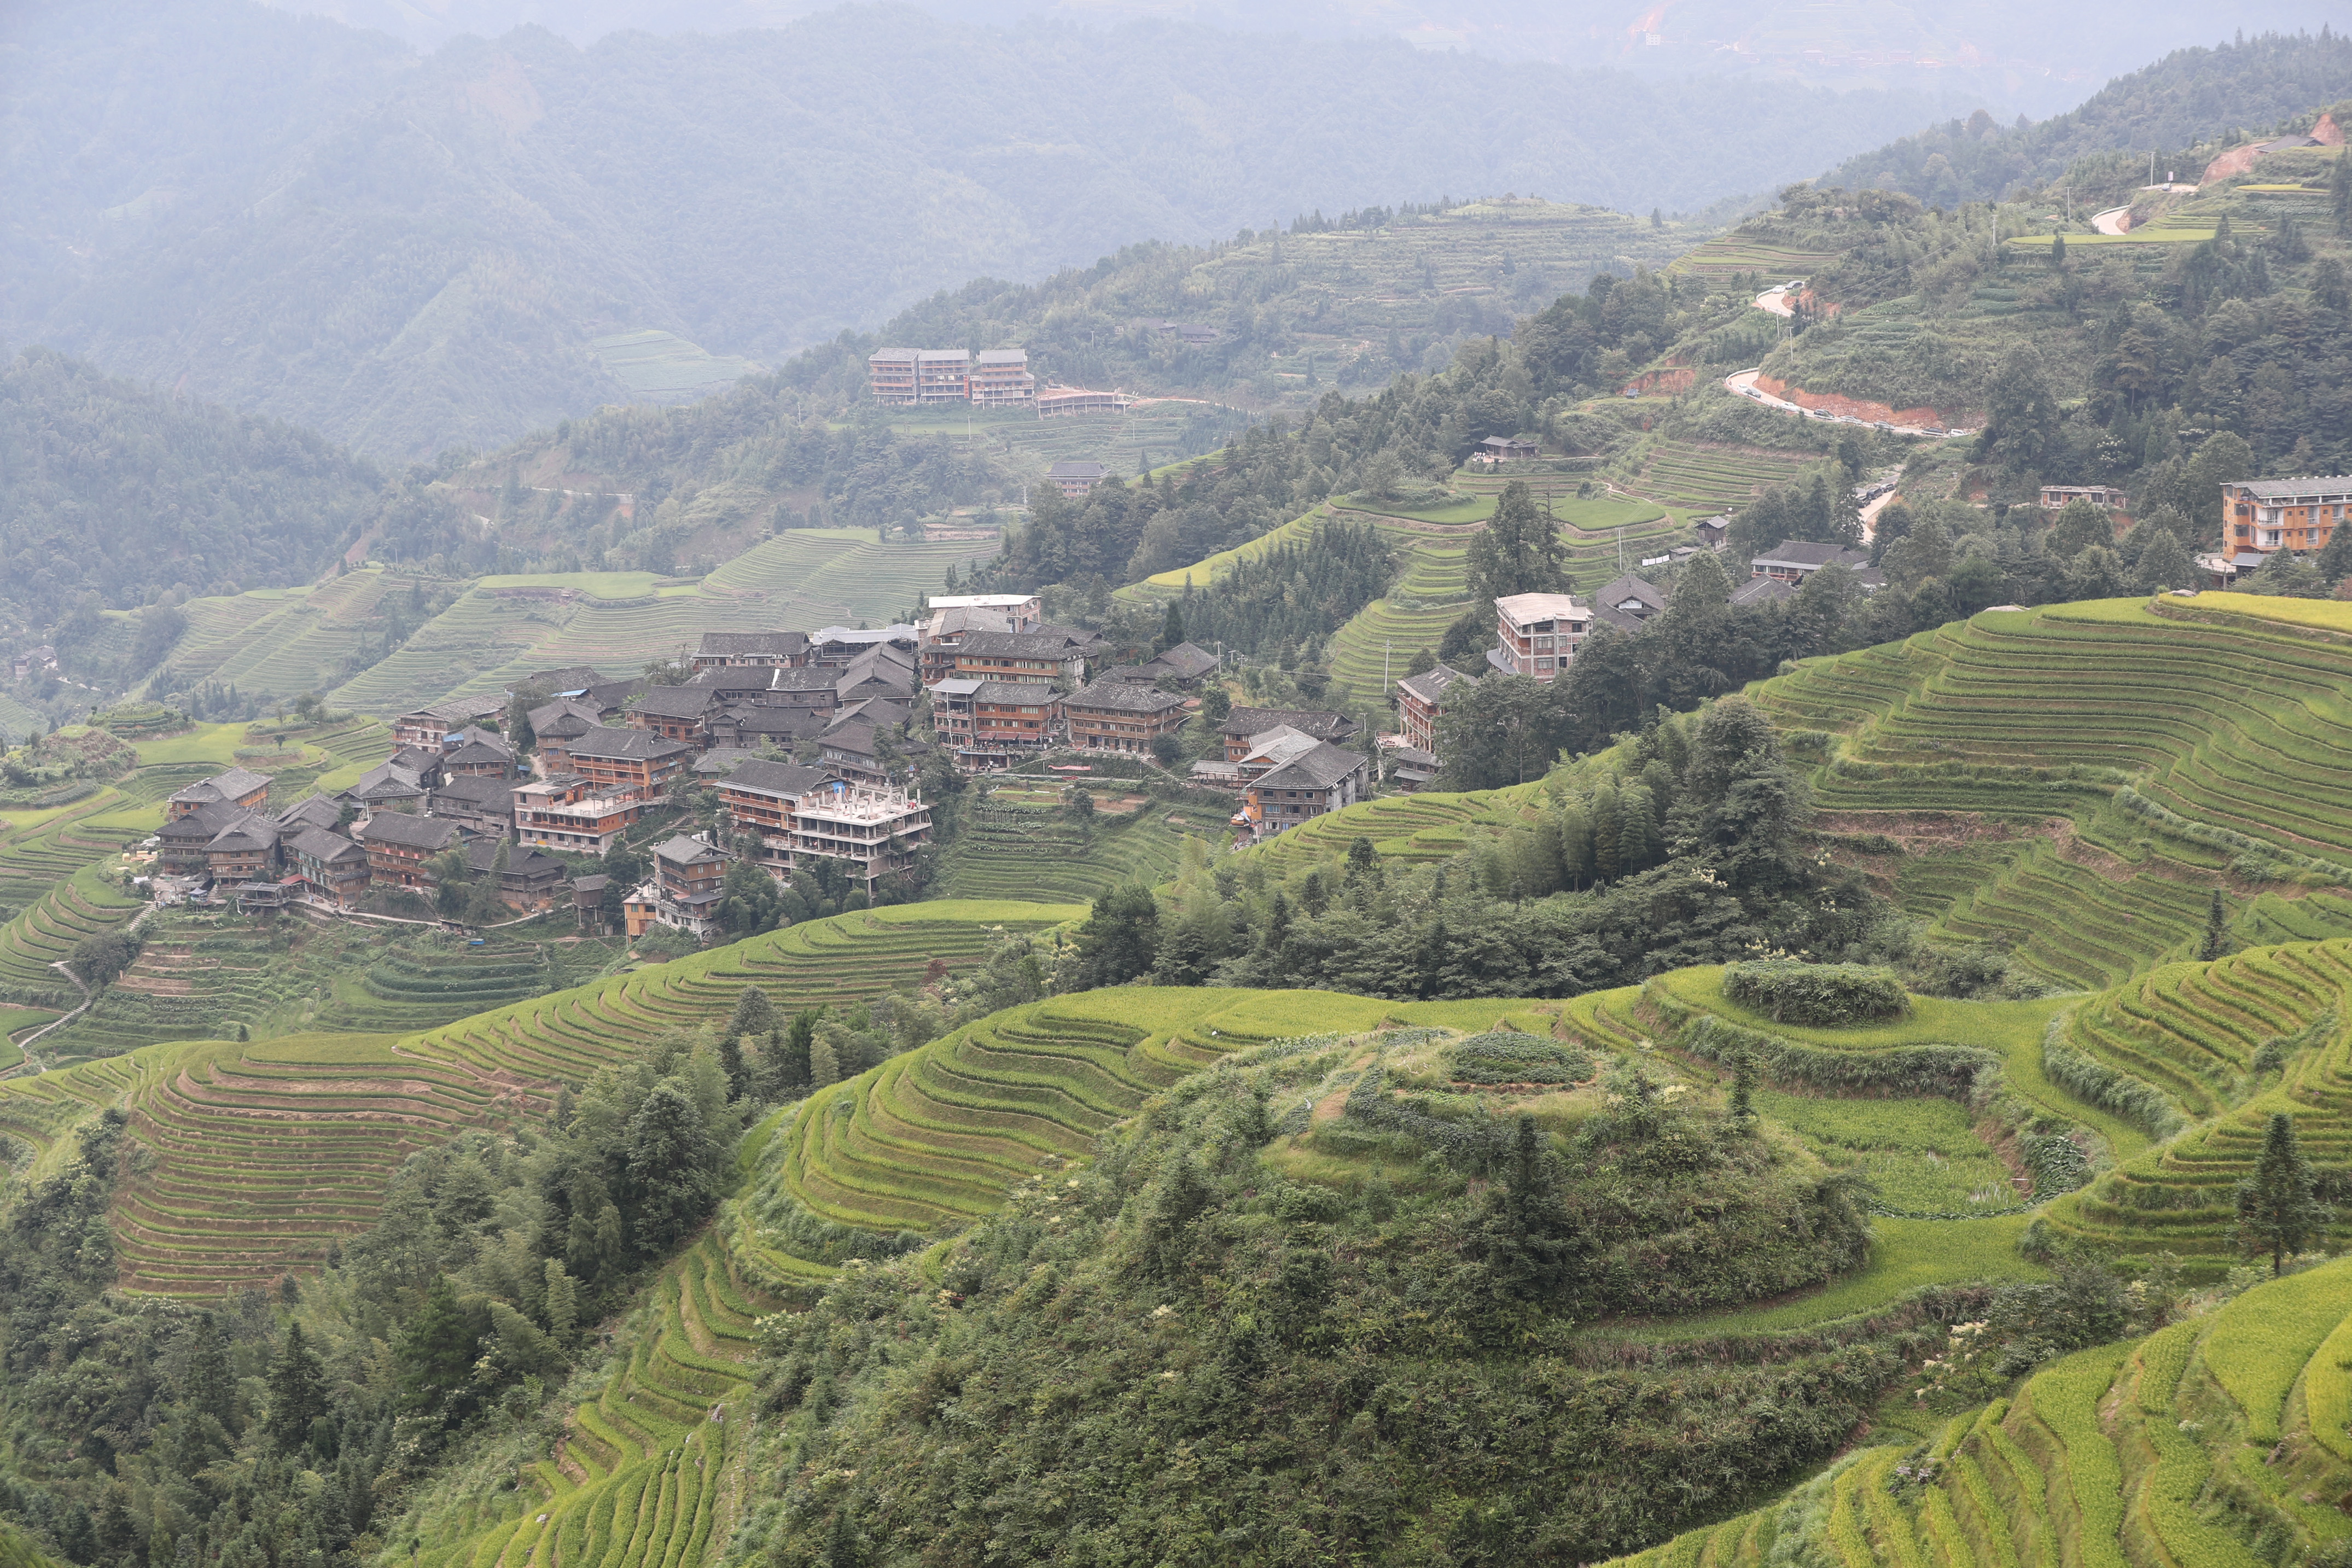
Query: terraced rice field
[198, 975]
[286, 1143]
[1729, 254]
[1410, 828]
[2191, 1031]
[507, 627]
[647, 1473]
[1006, 853]
[2042, 714]
[2167, 1451]
[1696, 477]
[283, 641]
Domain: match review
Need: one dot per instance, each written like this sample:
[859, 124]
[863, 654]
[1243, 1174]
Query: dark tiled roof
[1808, 556]
[1317, 769]
[318, 844]
[630, 745]
[857, 739]
[456, 711]
[760, 718]
[1020, 646]
[475, 754]
[312, 811]
[777, 778]
[683, 850]
[408, 832]
[199, 825]
[677, 702]
[574, 711]
[1763, 590]
[1123, 696]
[229, 786]
[1184, 661]
[1320, 723]
[1432, 685]
[1015, 692]
[758, 644]
[1631, 590]
[804, 679]
[475, 790]
[1072, 470]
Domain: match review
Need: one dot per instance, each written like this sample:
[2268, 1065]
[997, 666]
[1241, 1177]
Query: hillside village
[1328, 899]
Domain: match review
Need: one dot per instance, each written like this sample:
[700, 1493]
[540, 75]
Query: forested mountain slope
[119, 494]
[2182, 99]
[409, 254]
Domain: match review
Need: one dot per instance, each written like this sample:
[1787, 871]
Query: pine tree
[2217, 931]
[1171, 628]
[2278, 1209]
[562, 1301]
[298, 1392]
[436, 1352]
[800, 1049]
[204, 1380]
[1743, 1089]
[730, 1062]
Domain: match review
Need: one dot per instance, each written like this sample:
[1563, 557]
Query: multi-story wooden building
[1121, 716]
[1537, 634]
[333, 869]
[482, 806]
[688, 876]
[430, 724]
[563, 812]
[2267, 514]
[751, 650]
[631, 764]
[1001, 379]
[1075, 478]
[400, 848]
[1243, 724]
[1009, 719]
[238, 787]
[758, 798]
[1042, 655]
[1420, 703]
[680, 713]
[1322, 779]
[243, 851]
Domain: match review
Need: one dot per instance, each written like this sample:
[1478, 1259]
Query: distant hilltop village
[993, 378]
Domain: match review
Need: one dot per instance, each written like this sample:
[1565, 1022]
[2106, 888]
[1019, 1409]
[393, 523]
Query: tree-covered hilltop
[118, 493]
[2182, 100]
[410, 254]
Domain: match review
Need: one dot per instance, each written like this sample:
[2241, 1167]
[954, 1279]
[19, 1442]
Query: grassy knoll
[938, 1137]
[1968, 743]
[2216, 1441]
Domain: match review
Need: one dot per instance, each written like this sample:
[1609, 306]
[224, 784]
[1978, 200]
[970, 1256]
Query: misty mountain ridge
[407, 254]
